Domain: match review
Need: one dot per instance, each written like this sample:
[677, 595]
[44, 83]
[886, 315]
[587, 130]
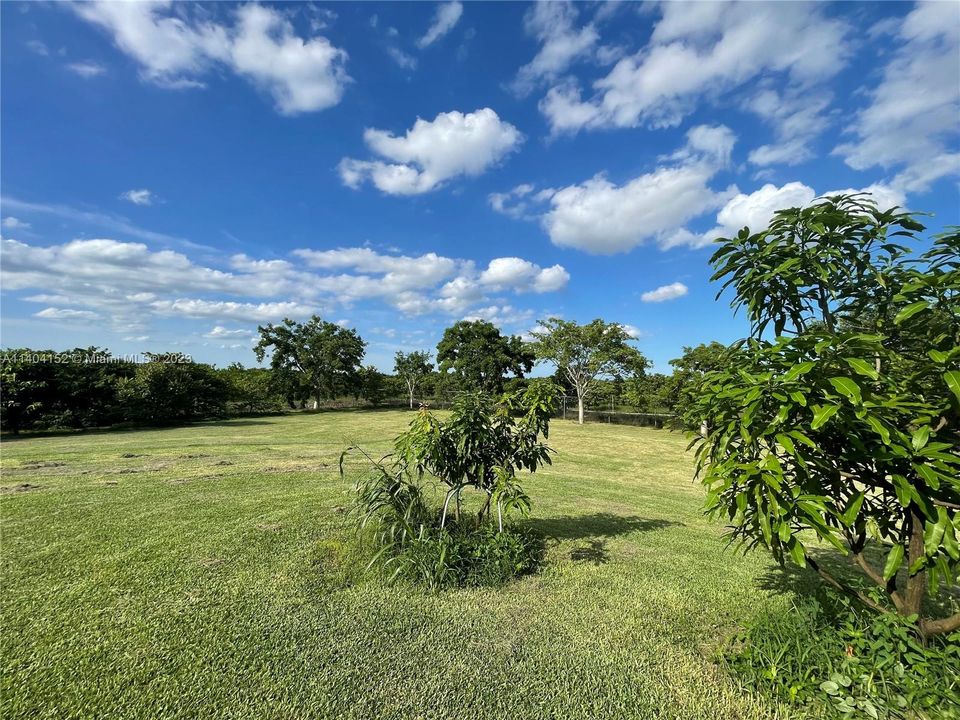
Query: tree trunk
[410, 387]
[916, 584]
[580, 409]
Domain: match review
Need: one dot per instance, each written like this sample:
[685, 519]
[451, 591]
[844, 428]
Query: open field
[208, 572]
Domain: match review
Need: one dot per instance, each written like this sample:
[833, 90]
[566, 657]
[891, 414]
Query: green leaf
[850, 514]
[821, 414]
[879, 428]
[952, 378]
[920, 437]
[798, 370]
[847, 387]
[797, 552]
[894, 561]
[786, 443]
[910, 310]
[863, 367]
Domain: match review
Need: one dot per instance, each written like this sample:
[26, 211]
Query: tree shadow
[806, 583]
[597, 525]
[594, 552]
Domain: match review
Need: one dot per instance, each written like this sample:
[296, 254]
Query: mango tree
[842, 424]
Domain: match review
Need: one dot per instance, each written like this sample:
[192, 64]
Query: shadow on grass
[806, 583]
[597, 525]
[594, 529]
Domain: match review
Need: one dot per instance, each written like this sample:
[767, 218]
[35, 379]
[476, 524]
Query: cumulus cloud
[665, 292]
[138, 197]
[12, 223]
[128, 283]
[176, 47]
[451, 145]
[447, 16]
[756, 209]
[219, 332]
[52, 313]
[86, 69]
[553, 24]
[798, 117]
[911, 124]
[703, 49]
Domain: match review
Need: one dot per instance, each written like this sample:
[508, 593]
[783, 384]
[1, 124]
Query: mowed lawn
[209, 572]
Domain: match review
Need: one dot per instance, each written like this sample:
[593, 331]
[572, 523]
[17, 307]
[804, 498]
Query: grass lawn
[209, 572]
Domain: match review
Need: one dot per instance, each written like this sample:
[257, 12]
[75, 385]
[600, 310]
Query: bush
[465, 556]
[831, 658]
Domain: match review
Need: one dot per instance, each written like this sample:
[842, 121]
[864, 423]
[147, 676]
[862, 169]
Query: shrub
[835, 659]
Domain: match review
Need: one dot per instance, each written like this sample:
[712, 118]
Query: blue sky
[175, 174]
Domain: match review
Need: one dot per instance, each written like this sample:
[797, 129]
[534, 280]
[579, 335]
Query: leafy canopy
[323, 356]
[480, 356]
[832, 429]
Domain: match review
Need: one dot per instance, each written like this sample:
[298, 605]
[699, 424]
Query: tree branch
[871, 572]
[941, 626]
[846, 589]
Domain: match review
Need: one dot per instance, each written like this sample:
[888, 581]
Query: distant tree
[250, 390]
[372, 384]
[164, 391]
[480, 356]
[325, 356]
[412, 368]
[826, 432]
[586, 353]
[651, 393]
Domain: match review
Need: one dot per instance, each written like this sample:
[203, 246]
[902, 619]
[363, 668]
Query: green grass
[213, 574]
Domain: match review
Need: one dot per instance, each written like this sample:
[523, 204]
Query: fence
[567, 410]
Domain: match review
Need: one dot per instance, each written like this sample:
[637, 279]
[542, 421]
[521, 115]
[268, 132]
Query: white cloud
[603, 218]
[703, 50]
[138, 197]
[175, 46]
[665, 292]
[500, 315]
[633, 331]
[52, 313]
[38, 47]
[798, 118]
[431, 152]
[13, 223]
[554, 25]
[220, 332]
[756, 209]
[86, 69]
[447, 16]
[402, 59]
[523, 275]
[243, 312]
[911, 123]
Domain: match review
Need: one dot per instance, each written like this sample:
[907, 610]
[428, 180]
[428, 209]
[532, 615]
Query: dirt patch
[198, 478]
[32, 464]
[132, 455]
[22, 487]
[110, 482]
[223, 462]
[268, 527]
[192, 457]
[211, 562]
[294, 468]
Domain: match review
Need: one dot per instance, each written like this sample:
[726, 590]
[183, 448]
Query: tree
[325, 356]
[371, 385]
[169, 390]
[483, 445]
[651, 393]
[827, 431]
[480, 356]
[250, 390]
[584, 353]
[412, 367]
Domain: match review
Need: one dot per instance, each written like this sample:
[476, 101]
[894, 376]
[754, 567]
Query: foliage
[483, 445]
[651, 393]
[321, 355]
[250, 390]
[847, 435]
[46, 389]
[412, 368]
[584, 353]
[839, 662]
[371, 385]
[163, 392]
[690, 368]
[480, 356]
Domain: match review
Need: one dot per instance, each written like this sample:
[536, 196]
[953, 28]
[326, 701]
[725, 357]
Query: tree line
[315, 362]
